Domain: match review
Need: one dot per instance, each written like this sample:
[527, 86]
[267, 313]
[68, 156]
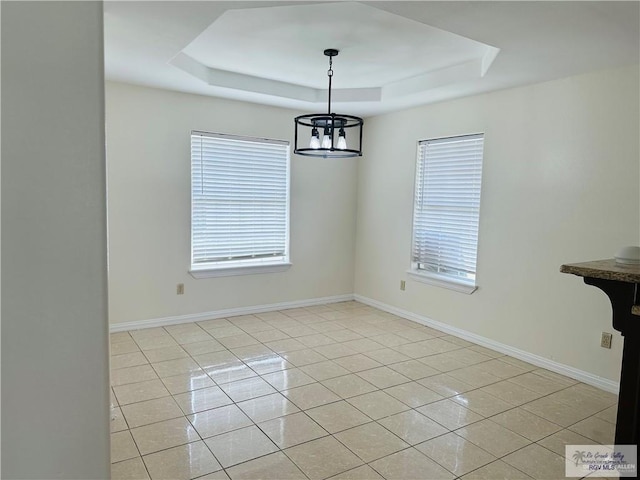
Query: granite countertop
[604, 269]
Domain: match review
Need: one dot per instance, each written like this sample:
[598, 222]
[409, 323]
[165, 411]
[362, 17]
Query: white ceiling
[393, 54]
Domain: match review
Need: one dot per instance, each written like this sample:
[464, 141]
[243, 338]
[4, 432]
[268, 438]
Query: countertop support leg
[627, 424]
[623, 296]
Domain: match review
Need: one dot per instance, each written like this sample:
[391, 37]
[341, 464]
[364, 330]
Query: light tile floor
[339, 391]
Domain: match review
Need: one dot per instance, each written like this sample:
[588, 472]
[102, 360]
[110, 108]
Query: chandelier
[327, 132]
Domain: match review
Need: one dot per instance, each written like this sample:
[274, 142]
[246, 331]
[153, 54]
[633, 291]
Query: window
[239, 205]
[446, 212]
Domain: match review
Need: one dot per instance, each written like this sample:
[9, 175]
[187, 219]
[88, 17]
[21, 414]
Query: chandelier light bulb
[326, 139]
[342, 140]
[315, 139]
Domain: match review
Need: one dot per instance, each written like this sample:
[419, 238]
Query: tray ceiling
[392, 54]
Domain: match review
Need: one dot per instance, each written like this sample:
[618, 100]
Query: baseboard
[581, 375]
[230, 312]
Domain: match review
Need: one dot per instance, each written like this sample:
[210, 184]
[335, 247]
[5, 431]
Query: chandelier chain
[330, 75]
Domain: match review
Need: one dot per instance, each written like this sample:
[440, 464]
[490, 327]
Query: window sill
[443, 282]
[239, 270]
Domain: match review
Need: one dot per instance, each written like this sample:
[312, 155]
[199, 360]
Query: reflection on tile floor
[341, 391]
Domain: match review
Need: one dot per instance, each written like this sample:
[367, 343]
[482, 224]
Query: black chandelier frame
[330, 124]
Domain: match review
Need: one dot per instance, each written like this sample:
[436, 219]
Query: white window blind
[239, 201]
[447, 207]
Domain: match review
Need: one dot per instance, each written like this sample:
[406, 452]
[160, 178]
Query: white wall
[55, 394]
[560, 184]
[149, 208]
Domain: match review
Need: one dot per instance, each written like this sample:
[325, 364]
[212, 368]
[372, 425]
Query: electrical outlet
[403, 284]
[605, 340]
[180, 289]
